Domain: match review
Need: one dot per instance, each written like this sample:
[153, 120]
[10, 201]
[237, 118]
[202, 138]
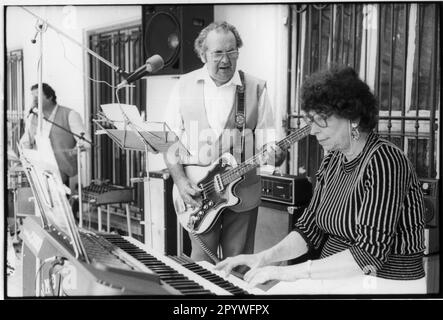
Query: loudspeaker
[164, 220]
[170, 31]
[274, 222]
[430, 189]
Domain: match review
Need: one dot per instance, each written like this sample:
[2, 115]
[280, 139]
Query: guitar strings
[209, 187]
[282, 144]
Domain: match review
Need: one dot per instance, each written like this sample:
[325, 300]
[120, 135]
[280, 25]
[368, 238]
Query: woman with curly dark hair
[366, 213]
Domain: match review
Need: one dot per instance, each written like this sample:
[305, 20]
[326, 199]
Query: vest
[203, 143]
[63, 142]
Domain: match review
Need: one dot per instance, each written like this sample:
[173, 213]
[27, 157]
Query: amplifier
[274, 222]
[284, 198]
[430, 189]
[286, 189]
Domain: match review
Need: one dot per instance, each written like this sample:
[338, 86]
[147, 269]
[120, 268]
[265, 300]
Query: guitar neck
[253, 162]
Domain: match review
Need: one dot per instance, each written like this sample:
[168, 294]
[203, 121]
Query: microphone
[152, 65]
[32, 110]
[34, 40]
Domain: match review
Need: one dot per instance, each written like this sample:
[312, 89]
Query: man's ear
[203, 57]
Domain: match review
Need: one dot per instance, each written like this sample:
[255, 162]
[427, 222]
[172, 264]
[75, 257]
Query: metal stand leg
[15, 200]
[179, 239]
[38, 278]
[108, 216]
[128, 219]
[79, 177]
[99, 214]
[89, 215]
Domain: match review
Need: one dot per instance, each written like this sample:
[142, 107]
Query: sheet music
[116, 111]
[44, 176]
[127, 120]
[43, 157]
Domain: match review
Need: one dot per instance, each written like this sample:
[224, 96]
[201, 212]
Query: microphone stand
[80, 136]
[116, 69]
[42, 26]
[47, 24]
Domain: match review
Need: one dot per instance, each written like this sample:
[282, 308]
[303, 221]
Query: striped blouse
[377, 214]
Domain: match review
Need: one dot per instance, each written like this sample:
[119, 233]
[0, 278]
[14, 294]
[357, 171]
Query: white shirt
[218, 104]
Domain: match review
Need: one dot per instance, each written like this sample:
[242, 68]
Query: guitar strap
[240, 116]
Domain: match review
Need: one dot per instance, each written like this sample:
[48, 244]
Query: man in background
[63, 142]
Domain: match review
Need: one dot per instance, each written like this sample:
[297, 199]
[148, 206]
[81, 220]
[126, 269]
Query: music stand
[132, 133]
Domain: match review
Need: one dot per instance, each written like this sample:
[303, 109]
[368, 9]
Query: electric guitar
[217, 181]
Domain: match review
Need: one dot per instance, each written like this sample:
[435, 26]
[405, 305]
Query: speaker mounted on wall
[170, 31]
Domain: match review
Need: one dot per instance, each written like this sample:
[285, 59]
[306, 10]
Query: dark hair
[47, 90]
[199, 43]
[340, 91]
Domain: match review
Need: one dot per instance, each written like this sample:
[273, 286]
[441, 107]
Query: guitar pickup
[218, 183]
[203, 193]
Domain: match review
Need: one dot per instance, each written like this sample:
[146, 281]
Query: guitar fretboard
[253, 162]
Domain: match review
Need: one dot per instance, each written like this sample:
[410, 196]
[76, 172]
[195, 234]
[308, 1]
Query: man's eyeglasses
[218, 55]
[318, 119]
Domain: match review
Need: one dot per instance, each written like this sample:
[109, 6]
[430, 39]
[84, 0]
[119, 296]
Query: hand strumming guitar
[189, 192]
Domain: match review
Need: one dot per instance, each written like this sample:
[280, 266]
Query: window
[15, 93]
[395, 48]
[121, 47]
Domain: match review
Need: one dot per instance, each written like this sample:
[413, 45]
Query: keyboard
[193, 278]
[101, 251]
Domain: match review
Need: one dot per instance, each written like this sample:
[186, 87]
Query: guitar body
[218, 181]
[215, 196]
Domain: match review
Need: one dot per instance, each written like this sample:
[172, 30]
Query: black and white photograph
[227, 150]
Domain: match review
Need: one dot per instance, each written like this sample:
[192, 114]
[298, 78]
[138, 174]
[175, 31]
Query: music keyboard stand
[133, 137]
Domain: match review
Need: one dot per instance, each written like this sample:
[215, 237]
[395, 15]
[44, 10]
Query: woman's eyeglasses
[318, 119]
[218, 55]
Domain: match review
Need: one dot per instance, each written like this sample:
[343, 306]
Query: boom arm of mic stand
[114, 67]
[80, 136]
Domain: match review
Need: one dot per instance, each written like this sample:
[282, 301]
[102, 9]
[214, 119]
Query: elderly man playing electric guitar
[223, 116]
